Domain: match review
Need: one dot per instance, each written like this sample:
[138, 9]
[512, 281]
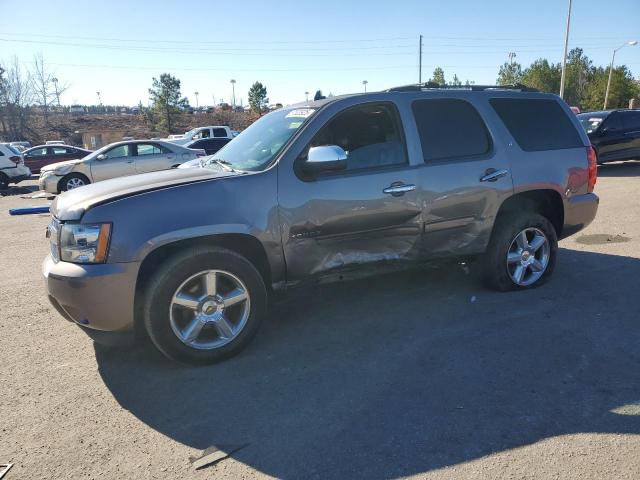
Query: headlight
[81, 243]
[63, 170]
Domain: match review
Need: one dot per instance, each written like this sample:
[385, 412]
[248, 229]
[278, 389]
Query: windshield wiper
[224, 163]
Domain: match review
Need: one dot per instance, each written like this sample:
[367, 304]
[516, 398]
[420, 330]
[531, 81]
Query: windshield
[258, 145]
[591, 122]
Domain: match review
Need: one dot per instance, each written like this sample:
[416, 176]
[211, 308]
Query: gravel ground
[423, 373]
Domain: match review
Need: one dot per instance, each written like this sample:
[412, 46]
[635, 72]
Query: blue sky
[115, 47]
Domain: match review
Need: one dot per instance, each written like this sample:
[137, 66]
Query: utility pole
[420, 61]
[99, 100]
[306, 96]
[364, 82]
[233, 89]
[196, 93]
[564, 57]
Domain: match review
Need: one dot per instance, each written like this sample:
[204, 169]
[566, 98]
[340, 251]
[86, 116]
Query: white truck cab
[202, 132]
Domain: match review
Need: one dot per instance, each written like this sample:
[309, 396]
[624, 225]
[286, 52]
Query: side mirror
[607, 131]
[326, 158]
[102, 156]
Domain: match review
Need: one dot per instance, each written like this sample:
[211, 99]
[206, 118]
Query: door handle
[397, 189]
[491, 175]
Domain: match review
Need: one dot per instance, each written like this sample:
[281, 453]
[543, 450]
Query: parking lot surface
[423, 373]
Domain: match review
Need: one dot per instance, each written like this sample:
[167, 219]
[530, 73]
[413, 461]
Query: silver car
[115, 160]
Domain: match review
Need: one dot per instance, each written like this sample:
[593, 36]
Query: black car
[615, 134]
[209, 145]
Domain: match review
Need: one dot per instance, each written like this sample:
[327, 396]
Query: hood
[55, 166]
[73, 204]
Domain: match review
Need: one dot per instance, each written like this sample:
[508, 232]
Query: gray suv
[410, 174]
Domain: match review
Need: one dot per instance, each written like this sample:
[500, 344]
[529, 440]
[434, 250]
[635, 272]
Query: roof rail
[418, 87]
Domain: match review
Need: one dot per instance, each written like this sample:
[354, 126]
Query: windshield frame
[218, 157]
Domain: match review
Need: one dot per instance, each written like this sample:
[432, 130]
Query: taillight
[15, 159]
[593, 168]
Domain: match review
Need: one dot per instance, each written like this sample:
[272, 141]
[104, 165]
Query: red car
[37, 157]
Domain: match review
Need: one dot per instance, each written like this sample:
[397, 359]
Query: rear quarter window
[537, 124]
[450, 128]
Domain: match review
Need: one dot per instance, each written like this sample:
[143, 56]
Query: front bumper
[579, 212]
[99, 298]
[49, 183]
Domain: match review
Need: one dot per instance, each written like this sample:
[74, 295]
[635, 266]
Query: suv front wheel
[204, 305]
[521, 253]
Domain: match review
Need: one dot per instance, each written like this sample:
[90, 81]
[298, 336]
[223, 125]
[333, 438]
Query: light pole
[233, 90]
[196, 94]
[364, 82]
[99, 99]
[306, 97]
[606, 95]
[55, 84]
[564, 58]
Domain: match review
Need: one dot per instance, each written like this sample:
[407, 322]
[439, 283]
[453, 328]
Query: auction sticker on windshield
[300, 113]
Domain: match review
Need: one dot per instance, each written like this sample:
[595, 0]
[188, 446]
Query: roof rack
[418, 87]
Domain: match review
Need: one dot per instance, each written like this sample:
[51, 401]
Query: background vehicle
[209, 145]
[202, 132]
[114, 160]
[21, 146]
[615, 134]
[37, 157]
[12, 167]
[309, 192]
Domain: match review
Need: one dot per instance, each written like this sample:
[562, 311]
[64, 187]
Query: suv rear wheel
[204, 305]
[521, 253]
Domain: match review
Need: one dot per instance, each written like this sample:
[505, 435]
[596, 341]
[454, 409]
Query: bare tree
[16, 94]
[46, 87]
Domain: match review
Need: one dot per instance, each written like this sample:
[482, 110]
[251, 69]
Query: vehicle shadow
[406, 373]
[18, 190]
[629, 168]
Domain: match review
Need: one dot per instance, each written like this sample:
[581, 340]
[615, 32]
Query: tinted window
[537, 124]
[613, 121]
[148, 149]
[119, 151]
[450, 128]
[369, 134]
[631, 120]
[37, 152]
[219, 132]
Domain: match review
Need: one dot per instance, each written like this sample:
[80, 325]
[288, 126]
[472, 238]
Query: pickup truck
[344, 184]
[202, 132]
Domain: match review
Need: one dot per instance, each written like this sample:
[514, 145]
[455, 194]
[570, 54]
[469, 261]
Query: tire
[67, 181]
[166, 321]
[500, 273]
[4, 181]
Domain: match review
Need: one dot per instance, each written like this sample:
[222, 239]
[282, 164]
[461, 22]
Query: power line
[297, 42]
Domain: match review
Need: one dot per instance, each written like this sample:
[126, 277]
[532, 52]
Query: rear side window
[631, 121]
[537, 124]
[450, 128]
[219, 132]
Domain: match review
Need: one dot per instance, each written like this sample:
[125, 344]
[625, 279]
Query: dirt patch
[601, 239]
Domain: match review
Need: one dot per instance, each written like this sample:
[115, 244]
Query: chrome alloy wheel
[209, 309]
[528, 256]
[74, 182]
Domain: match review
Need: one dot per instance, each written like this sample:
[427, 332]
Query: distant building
[95, 140]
